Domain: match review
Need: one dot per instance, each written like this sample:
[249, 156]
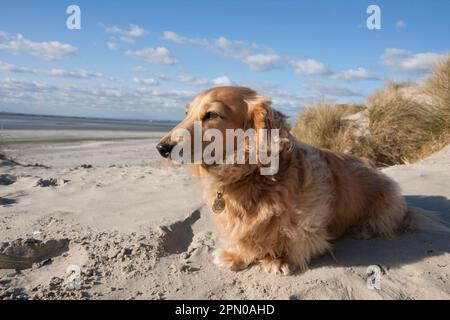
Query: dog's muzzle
[164, 149]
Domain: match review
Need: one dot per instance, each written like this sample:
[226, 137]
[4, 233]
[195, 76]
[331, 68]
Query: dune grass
[322, 125]
[437, 86]
[406, 122]
[399, 127]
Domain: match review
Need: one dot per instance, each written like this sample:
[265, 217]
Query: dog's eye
[210, 116]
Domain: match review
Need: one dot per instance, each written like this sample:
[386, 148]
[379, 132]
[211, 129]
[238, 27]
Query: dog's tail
[424, 220]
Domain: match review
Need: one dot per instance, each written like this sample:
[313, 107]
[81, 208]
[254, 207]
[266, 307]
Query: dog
[286, 219]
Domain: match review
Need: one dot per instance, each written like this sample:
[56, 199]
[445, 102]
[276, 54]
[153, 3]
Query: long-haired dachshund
[285, 219]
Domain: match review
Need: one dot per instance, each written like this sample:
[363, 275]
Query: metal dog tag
[219, 203]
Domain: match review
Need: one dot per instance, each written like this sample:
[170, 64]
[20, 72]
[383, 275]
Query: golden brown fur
[285, 220]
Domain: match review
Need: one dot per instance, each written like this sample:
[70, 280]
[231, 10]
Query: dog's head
[218, 111]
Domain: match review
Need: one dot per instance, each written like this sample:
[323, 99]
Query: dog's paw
[229, 259]
[361, 232]
[277, 267]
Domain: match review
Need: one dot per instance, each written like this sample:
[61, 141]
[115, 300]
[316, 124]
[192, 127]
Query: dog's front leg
[310, 242]
[232, 259]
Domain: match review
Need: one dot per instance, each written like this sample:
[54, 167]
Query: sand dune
[137, 228]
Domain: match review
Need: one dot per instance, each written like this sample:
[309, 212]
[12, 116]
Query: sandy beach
[284, 110]
[136, 227]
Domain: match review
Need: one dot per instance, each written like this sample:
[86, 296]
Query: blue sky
[147, 59]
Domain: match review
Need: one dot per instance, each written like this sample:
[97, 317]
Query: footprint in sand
[83, 166]
[7, 179]
[21, 254]
[52, 182]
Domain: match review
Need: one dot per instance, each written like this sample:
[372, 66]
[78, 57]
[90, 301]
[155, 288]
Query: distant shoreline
[15, 121]
[26, 136]
[6, 113]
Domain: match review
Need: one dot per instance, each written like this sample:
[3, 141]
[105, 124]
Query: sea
[17, 121]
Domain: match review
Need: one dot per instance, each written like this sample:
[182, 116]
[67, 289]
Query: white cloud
[392, 52]
[263, 86]
[400, 24]
[127, 40]
[51, 50]
[261, 62]
[309, 67]
[257, 57]
[289, 102]
[112, 46]
[79, 74]
[283, 100]
[222, 81]
[135, 31]
[148, 78]
[159, 55]
[229, 48]
[100, 100]
[235, 49]
[147, 81]
[408, 61]
[18, 85]
[126, 35]
[200, 82]
[88, 99]
[138, 69]
[352, 74]
[333, 90]
[192, 80]
[6, 67]
[172, 36]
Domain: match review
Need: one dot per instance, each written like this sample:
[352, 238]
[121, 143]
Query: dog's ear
[262, 116]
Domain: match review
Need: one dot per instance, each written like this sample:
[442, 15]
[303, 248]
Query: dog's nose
[164, 149]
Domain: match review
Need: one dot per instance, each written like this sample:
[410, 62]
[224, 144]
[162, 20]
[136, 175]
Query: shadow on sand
[7, 202]
[405, 248]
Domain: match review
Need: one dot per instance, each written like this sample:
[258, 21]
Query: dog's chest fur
[262, 211]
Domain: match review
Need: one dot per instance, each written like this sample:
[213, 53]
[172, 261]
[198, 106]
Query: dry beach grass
[405, 122]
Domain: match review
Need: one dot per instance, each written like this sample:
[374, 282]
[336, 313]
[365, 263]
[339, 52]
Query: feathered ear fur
[262, 116]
